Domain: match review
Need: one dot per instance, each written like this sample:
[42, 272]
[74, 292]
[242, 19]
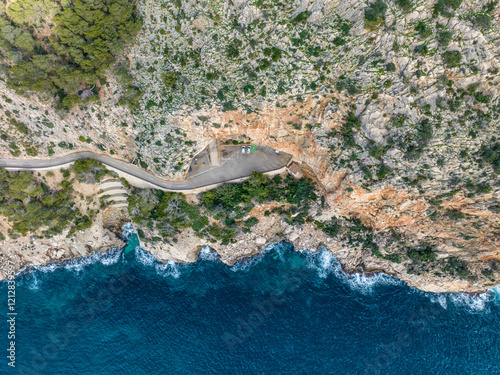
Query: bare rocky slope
[395, 120]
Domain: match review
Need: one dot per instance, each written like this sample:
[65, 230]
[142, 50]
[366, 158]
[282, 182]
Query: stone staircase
[114, 193]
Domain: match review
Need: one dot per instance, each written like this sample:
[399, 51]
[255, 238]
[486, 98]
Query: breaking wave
[128, 231]
[207, 254]
[326, 264]
[168, 269]
[144, 257]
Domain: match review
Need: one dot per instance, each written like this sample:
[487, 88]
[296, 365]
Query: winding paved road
[229, 171]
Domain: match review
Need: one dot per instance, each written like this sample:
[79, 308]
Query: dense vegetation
[89, 170]
[85, 37]
[30, 204]
[220, 214]
[491, 154]
[376, 11]
[375, 14]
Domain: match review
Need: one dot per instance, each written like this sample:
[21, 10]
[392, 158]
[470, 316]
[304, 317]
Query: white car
[242, 149]
[277, 151]
[249, 149]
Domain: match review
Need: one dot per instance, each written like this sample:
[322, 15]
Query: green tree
[444, 38]
[376, 11]
[423, 30]
[87, 38]
[452, 58]
[405, 5]
[482, 21]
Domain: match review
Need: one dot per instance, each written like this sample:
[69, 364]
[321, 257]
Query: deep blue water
[283, 312]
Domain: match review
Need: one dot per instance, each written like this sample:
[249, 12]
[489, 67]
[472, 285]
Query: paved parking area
[236, 164]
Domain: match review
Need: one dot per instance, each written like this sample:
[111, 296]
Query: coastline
[352, 260]
[270, 230]
[364, 277]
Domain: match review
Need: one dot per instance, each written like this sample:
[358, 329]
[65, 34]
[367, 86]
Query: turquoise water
[283, 312]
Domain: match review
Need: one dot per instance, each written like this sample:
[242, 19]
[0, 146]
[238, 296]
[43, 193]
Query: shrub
[251, 222]
[347, 84]
[421, 49]
[444, 7]
[422, 253]
[395, 258]
[331, 228]
[367, 172]
[232, 50]
[377, 151]
[383, 172]
[423, 30]
[482, 21]
[31, 151]
[454, 214]
[452, 58]
[483, 188]
[424, 135]
[425, 132]
[481, 98]
[345, 28]
[490, 7]
[376, 11]
[89, 170]
[390, 67]
[273, 52]
[338, 41]
[405, 5]
[444, 38]
[491, 154]
[200, 223]
[169, 79]
[301, 17]
[349, 129]
[472, 88]
[456, 267]
[29, 204]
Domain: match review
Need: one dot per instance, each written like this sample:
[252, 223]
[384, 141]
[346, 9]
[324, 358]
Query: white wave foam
[149, 260]
[128, 230]
[34, 282]
[439, 298]
[473, 303]
[144, 257]
[247, 263]
[325, 264]
[168, 269]
[207, 254]
[470, 302]
[109, 257]
[367, 283]
[495, 293]
[106, 258]
[48, 268]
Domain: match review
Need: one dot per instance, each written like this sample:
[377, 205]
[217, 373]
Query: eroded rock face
[186, 249]
[26, 251]
[354, 259]
[374, 123]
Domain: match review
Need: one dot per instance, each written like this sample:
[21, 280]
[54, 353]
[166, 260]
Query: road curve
[195, 182]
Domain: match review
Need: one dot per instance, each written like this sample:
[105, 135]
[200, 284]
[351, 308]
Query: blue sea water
[282, 312]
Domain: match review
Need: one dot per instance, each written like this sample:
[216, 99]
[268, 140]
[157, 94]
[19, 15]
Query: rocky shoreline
[272, 229]
[25, 254]
[408, 216]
